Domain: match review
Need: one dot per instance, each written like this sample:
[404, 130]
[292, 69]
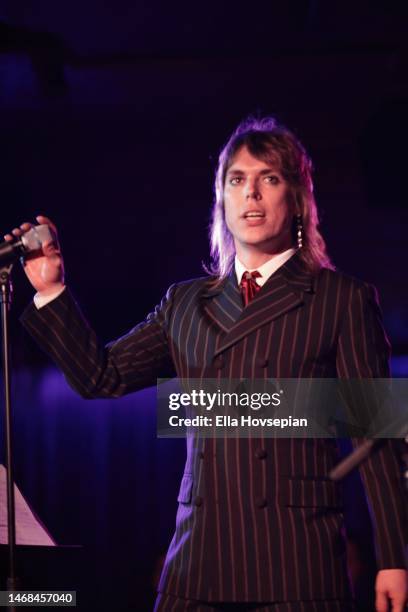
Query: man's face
[257, 211]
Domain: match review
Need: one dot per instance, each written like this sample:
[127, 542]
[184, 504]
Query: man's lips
[253, 218]
[253, 214]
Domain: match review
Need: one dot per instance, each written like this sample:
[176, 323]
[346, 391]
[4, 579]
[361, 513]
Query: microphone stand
[5, 300]
[365, 450]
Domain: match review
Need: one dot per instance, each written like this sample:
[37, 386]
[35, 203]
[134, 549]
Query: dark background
[112, 117]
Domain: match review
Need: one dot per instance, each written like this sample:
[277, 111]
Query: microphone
[28, 243]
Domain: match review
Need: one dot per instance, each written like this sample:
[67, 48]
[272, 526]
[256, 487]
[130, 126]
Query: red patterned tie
[249, 287]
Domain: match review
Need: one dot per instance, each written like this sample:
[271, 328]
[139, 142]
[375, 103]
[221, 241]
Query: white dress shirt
[42, 300]
[267, 269]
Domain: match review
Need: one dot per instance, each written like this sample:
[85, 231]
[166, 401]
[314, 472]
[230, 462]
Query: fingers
[45, 220]
[381, 602]
[18, 231]
[398, 604]
[24, 227]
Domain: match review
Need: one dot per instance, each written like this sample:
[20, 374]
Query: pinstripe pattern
[251, 525]
[169, 603]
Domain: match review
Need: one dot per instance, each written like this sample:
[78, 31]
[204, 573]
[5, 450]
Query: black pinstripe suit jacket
[257, 519]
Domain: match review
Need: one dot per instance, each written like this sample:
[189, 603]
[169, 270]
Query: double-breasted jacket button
[261, 453]
[262, 362]
[219, 362]
[261, 502]
[198, 501]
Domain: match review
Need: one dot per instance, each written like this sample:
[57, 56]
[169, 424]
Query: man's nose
[252, 191]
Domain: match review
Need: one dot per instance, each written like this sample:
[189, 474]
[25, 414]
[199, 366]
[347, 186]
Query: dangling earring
[299, 233]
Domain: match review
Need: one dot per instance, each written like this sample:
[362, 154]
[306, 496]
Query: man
[259, 525]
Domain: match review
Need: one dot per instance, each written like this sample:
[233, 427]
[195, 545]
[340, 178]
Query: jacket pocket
[310, 492]
[186, 489]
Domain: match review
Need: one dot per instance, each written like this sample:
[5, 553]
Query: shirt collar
[267, 269]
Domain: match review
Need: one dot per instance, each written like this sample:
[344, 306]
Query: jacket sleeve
[132, 362]
[363, 352]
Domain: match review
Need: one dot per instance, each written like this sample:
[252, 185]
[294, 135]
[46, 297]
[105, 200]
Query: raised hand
[44, 270]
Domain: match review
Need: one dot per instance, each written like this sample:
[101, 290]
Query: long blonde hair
[268, 141]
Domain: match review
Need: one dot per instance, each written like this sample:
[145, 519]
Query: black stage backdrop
[111, 121]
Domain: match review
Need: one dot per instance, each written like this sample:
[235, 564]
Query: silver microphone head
[37, 236]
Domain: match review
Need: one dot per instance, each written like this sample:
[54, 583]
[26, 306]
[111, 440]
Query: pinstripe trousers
[169, 603]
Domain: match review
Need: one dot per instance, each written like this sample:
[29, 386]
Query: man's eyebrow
[239, 172]
[234, 171]
[269, 171]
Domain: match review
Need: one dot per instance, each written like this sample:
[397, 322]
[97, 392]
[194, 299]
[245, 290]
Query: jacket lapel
[223, 303]
[283, 291]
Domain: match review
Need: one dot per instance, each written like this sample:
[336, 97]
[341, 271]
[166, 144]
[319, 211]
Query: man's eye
[272, 179]
[235, 180]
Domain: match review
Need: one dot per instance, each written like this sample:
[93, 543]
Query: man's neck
[252, 260]
[253, 256]
[265, 270]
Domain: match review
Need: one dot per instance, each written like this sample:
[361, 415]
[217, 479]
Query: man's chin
[261, 241]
